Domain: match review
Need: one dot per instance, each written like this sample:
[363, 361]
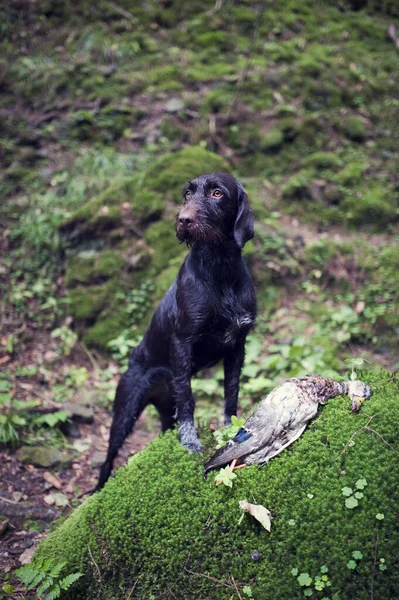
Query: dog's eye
[216, 193]
[187, 195]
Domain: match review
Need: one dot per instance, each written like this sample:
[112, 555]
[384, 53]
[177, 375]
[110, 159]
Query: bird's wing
[258, 428]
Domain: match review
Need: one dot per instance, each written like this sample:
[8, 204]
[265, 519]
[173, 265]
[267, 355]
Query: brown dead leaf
[52, 479]
[49, 499]
[5, 359]
[259, 512]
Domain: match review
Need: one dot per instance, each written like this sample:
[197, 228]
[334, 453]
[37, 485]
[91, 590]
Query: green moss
[113, 321]
[355, 128]
[297, 185]
[161, 236]
[80, 269]
[375, 206]
[165, 279]
[353, 173]
[323, 160]
[272, 141]
[168, 175]
[159, 526]
[86, 303]
[109, 263]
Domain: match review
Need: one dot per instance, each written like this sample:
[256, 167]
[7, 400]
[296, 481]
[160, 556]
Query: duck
[281, 418]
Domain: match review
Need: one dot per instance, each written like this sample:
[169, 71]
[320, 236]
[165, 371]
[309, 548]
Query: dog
[203, 318]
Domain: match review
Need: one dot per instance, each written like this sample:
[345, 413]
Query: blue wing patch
[242, 436]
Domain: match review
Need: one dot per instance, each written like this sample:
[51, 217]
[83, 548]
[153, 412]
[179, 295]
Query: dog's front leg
[181, 363]
[233, 361]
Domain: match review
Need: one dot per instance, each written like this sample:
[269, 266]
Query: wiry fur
[204, 317]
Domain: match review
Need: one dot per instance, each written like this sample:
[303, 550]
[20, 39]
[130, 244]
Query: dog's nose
[185, 220]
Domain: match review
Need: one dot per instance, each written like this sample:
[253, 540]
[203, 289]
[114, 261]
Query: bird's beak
[357, 402]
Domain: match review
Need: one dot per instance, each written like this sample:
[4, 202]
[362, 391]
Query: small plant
[352, 498]
[44, 576]
[225, 476]
[319, 582]
[18, 420]
[67, 339]
[355, 362]
[224, 434]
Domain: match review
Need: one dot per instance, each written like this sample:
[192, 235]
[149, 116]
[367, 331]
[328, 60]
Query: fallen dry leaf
[27, 555]
[259, 512]
[52, 479]
[49, 499]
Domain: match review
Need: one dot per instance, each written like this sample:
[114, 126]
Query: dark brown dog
[204, 317]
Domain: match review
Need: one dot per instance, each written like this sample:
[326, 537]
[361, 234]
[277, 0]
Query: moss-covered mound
[158, 528]
[118, 245]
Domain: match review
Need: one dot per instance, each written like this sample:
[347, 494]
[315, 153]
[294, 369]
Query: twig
[380, 436]
[374, 565]
[97, 567]
[353, 435]
[132, 590]
[392, 34]
[236, 588]
[100, 581]
[121, 11]
[209, 577]
[7, 500]
[90, 356]
[368, 429]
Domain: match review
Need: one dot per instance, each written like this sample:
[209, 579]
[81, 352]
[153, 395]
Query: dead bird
[282, 417]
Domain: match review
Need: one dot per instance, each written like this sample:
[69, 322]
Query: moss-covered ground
[158, 526]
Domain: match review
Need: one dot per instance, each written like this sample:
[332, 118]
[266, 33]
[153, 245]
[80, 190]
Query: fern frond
[54, 593]
[26, 574]
[56, 570]
[69, 580]
[45, 585]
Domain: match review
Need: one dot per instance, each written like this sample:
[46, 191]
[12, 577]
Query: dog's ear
[244, 225]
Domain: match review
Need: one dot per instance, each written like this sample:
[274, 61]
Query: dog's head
[215, 209]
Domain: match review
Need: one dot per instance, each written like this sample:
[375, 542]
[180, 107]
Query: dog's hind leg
[130, 401]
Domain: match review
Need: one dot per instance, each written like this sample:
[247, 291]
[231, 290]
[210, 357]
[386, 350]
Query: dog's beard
[202, 234]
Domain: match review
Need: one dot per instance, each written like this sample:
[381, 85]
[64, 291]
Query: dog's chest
[230, 320]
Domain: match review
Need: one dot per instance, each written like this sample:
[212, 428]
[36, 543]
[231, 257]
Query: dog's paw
[194, 446]
[189, 437]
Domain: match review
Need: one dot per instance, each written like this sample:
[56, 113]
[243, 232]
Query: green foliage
[131, 534]
[223, 435]
[67, 339]
[225, 476]
[19, 422]
[44, 577]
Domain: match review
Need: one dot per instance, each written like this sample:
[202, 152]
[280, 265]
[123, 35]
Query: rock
[40, 456]
[174, 105]
[27, 555]
[98, 459]
[86, 397]
[79, 412]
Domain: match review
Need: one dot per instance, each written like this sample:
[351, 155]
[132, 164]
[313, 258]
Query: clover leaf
[357, 555]
[361, 484]
[347, 491]
[351, 502]
[304, 579]
[351, 564]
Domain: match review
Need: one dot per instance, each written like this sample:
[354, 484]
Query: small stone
[256, 555]
[40, 456]
[174, 105]
[79, 413]
[98, 459]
